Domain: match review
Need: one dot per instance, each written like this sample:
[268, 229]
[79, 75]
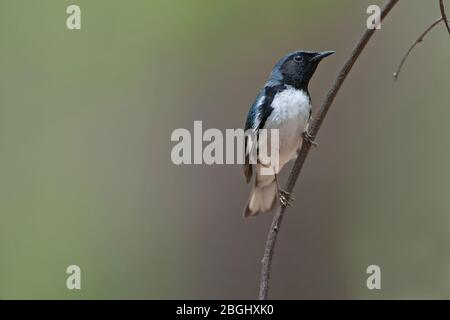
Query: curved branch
[315, 126]
[444, 16]
[419, 40]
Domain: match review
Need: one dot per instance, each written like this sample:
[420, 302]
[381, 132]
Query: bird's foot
[285, 198]
[309, 138]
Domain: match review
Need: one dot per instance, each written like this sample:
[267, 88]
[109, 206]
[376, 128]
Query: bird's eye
[298, 58]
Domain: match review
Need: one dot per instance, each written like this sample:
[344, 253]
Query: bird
[283, 103]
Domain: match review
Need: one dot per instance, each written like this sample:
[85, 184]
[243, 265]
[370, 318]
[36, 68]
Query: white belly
[290, 115]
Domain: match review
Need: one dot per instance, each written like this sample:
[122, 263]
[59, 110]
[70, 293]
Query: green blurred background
[86, 176]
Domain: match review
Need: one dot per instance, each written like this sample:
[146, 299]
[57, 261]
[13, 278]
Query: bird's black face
[299, 67]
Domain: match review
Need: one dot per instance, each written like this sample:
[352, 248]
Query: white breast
[290, 114]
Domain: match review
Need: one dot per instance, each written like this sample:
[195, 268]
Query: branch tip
[419, 40]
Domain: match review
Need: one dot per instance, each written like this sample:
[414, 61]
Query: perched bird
[283, 103]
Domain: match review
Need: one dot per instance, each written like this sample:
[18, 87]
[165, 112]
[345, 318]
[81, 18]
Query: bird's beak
[320, 55]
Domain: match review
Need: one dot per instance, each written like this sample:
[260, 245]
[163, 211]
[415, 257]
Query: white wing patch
[258, 119]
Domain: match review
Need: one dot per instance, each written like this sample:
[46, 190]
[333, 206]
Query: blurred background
[86, 176]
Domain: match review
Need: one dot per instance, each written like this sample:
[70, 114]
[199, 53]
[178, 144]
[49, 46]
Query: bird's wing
[256, 119]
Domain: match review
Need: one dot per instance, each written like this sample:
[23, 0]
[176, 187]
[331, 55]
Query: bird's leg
[285, 197]
[309, 138]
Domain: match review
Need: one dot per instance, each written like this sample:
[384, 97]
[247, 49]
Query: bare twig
[444, 16]
[423, 35]
[419, 40]
[315, 126]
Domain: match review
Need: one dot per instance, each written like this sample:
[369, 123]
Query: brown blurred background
[86, 176]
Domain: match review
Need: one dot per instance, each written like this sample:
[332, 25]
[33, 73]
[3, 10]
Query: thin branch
[444, 16]
[315, 126]
[419, 40]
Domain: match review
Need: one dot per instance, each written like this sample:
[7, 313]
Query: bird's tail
[262, 197]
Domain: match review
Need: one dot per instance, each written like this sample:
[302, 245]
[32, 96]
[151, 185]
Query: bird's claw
[309, 139]
[285, 198]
